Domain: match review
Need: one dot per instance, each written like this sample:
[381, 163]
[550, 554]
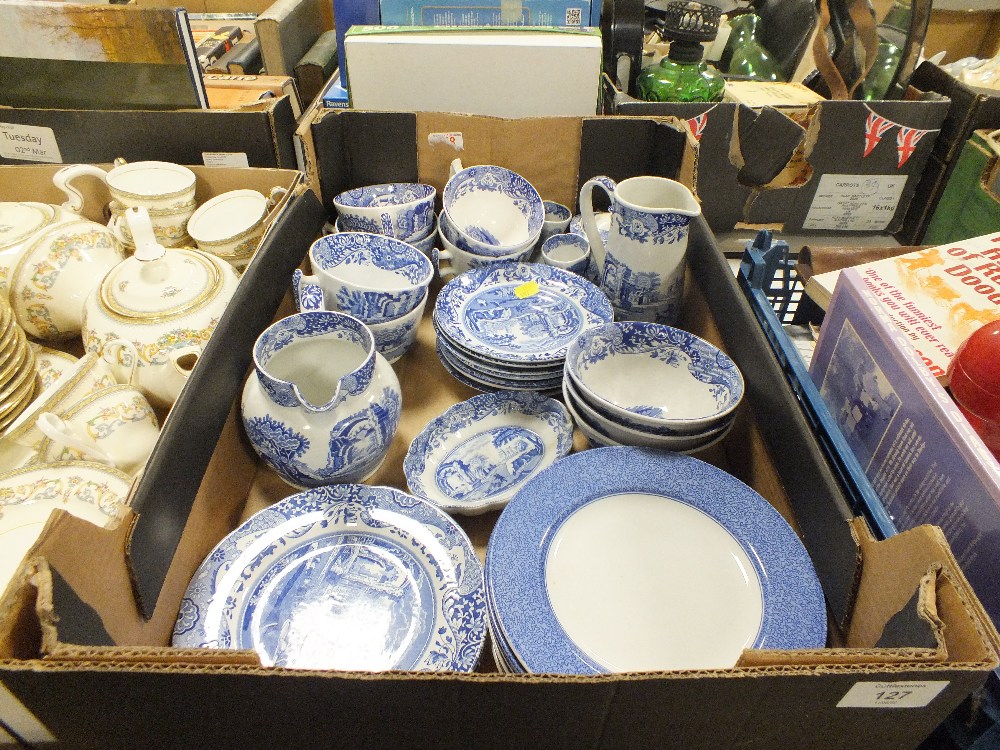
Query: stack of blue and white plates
[346, 577]
[633, 560]
[508, 326]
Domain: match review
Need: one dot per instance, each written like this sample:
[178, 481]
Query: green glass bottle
[745, 56]
[683, 76]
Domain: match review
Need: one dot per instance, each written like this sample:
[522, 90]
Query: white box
[499, 72]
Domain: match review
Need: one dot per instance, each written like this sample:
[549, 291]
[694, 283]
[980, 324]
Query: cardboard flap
[766, 141]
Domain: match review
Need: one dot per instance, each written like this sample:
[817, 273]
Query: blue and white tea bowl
[369, 276]
[652, 375]
[395, 337]
[454, 260]
[494, 210]
[404, 210]
[424, 244]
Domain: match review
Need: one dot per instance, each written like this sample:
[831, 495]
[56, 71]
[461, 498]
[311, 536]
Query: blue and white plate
[628, 559]
[476, 455]
[473, 364]
[488, 383]
[519, 312]
[346, 577]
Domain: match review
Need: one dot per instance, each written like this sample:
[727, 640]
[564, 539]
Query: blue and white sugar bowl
[321, 405]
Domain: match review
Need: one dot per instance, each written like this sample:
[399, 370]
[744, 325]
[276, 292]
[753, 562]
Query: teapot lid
[18, 221]
[177, 283]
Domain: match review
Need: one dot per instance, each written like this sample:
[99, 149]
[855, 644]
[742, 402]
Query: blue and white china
[321, 405]
[458, 260]
[519, 312]
[485, 381]
[345, 577]
[475, 456]
[371, 277]
[404, 210]
[655, 375]
[601, 430]
[495, 211]
[643, 261]
[424, 244]
[571, 252]
[627, 559]
[394, 338]
[557, 218]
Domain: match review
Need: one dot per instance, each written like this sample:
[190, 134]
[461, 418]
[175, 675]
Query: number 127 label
[892, 694]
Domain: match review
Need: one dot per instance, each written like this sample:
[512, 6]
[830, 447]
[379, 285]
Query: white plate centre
[641, 582]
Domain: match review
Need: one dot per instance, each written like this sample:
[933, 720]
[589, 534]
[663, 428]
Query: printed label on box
[892, 694]
[225, 159]
[454, 140]
[855, 203]
[29, 142]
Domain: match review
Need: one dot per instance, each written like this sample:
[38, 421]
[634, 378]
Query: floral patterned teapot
[153, 313]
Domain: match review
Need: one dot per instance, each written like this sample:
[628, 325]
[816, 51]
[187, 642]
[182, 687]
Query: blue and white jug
[641, 267]
[322, 405]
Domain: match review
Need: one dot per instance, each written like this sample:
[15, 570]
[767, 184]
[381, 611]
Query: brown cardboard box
[834, 166]
[83, 640]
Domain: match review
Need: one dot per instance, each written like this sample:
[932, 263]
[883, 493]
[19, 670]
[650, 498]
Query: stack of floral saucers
[508, 326]
[18, 372]
[650, 385]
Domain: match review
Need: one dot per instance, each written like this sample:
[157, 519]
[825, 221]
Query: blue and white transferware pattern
[493, 206]
[473, 458]
[519, 312]
[320, 424]
[584, 565]
[403, 210]
[369, 276]
[345, 577]
[674, 377]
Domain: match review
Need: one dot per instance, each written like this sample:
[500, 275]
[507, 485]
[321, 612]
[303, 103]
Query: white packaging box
[493, 71]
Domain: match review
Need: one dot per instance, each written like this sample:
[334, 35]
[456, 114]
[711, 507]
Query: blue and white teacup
[370, 276]
[452, 260]
[494, 210]
[567, 251]
[557, 218]
[424, 245]
[404, 210]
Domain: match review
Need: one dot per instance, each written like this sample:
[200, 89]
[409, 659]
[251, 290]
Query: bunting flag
[875, 127]
[906, 143]
[697, 125]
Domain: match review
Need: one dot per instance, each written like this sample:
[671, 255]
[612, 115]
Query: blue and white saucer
[487, 383]
[626, 559]
[476, 455]
[346, 577]
[519, 312]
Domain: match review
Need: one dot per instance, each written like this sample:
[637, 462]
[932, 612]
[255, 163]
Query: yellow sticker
[527, 289]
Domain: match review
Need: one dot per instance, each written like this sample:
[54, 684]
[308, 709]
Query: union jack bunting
[875, 127]
[906, 143]
[697, 125]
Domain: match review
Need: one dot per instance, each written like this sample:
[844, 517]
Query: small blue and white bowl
[396, 337]
[571, 252]
[372, 277]
[476, 455]
[454, 260]
[494, 210]
[424, 244]
[404, 210]
[651, 375]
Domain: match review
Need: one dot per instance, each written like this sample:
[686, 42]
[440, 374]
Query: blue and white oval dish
[626, 559]
[476, 455]
[346, 577]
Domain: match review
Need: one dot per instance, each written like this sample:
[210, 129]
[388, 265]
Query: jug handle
[587, 213]
[63, 180]
[307, 293]
[62, 433]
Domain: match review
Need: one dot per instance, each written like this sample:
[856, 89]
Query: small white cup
[230, 225]
[567, 251]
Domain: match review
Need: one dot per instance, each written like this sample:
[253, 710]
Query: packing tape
[20, 721]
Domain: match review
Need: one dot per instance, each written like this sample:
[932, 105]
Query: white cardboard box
[500, 72]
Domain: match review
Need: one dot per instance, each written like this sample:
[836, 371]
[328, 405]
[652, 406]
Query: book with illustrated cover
[920, 454]
[938, 296]
[73, 56]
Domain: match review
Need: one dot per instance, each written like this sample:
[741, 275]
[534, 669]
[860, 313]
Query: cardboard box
[83, 641]
[501, 72]
[475, 13]
[254, 136]
[834, 166]
[969, 110]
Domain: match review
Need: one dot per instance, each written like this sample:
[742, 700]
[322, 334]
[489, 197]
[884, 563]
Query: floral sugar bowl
[153, 313]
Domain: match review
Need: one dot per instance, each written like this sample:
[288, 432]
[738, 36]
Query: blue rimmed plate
[346, 577]
[476, 455]
[481, 381]
[626, 559]
[519, 312]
